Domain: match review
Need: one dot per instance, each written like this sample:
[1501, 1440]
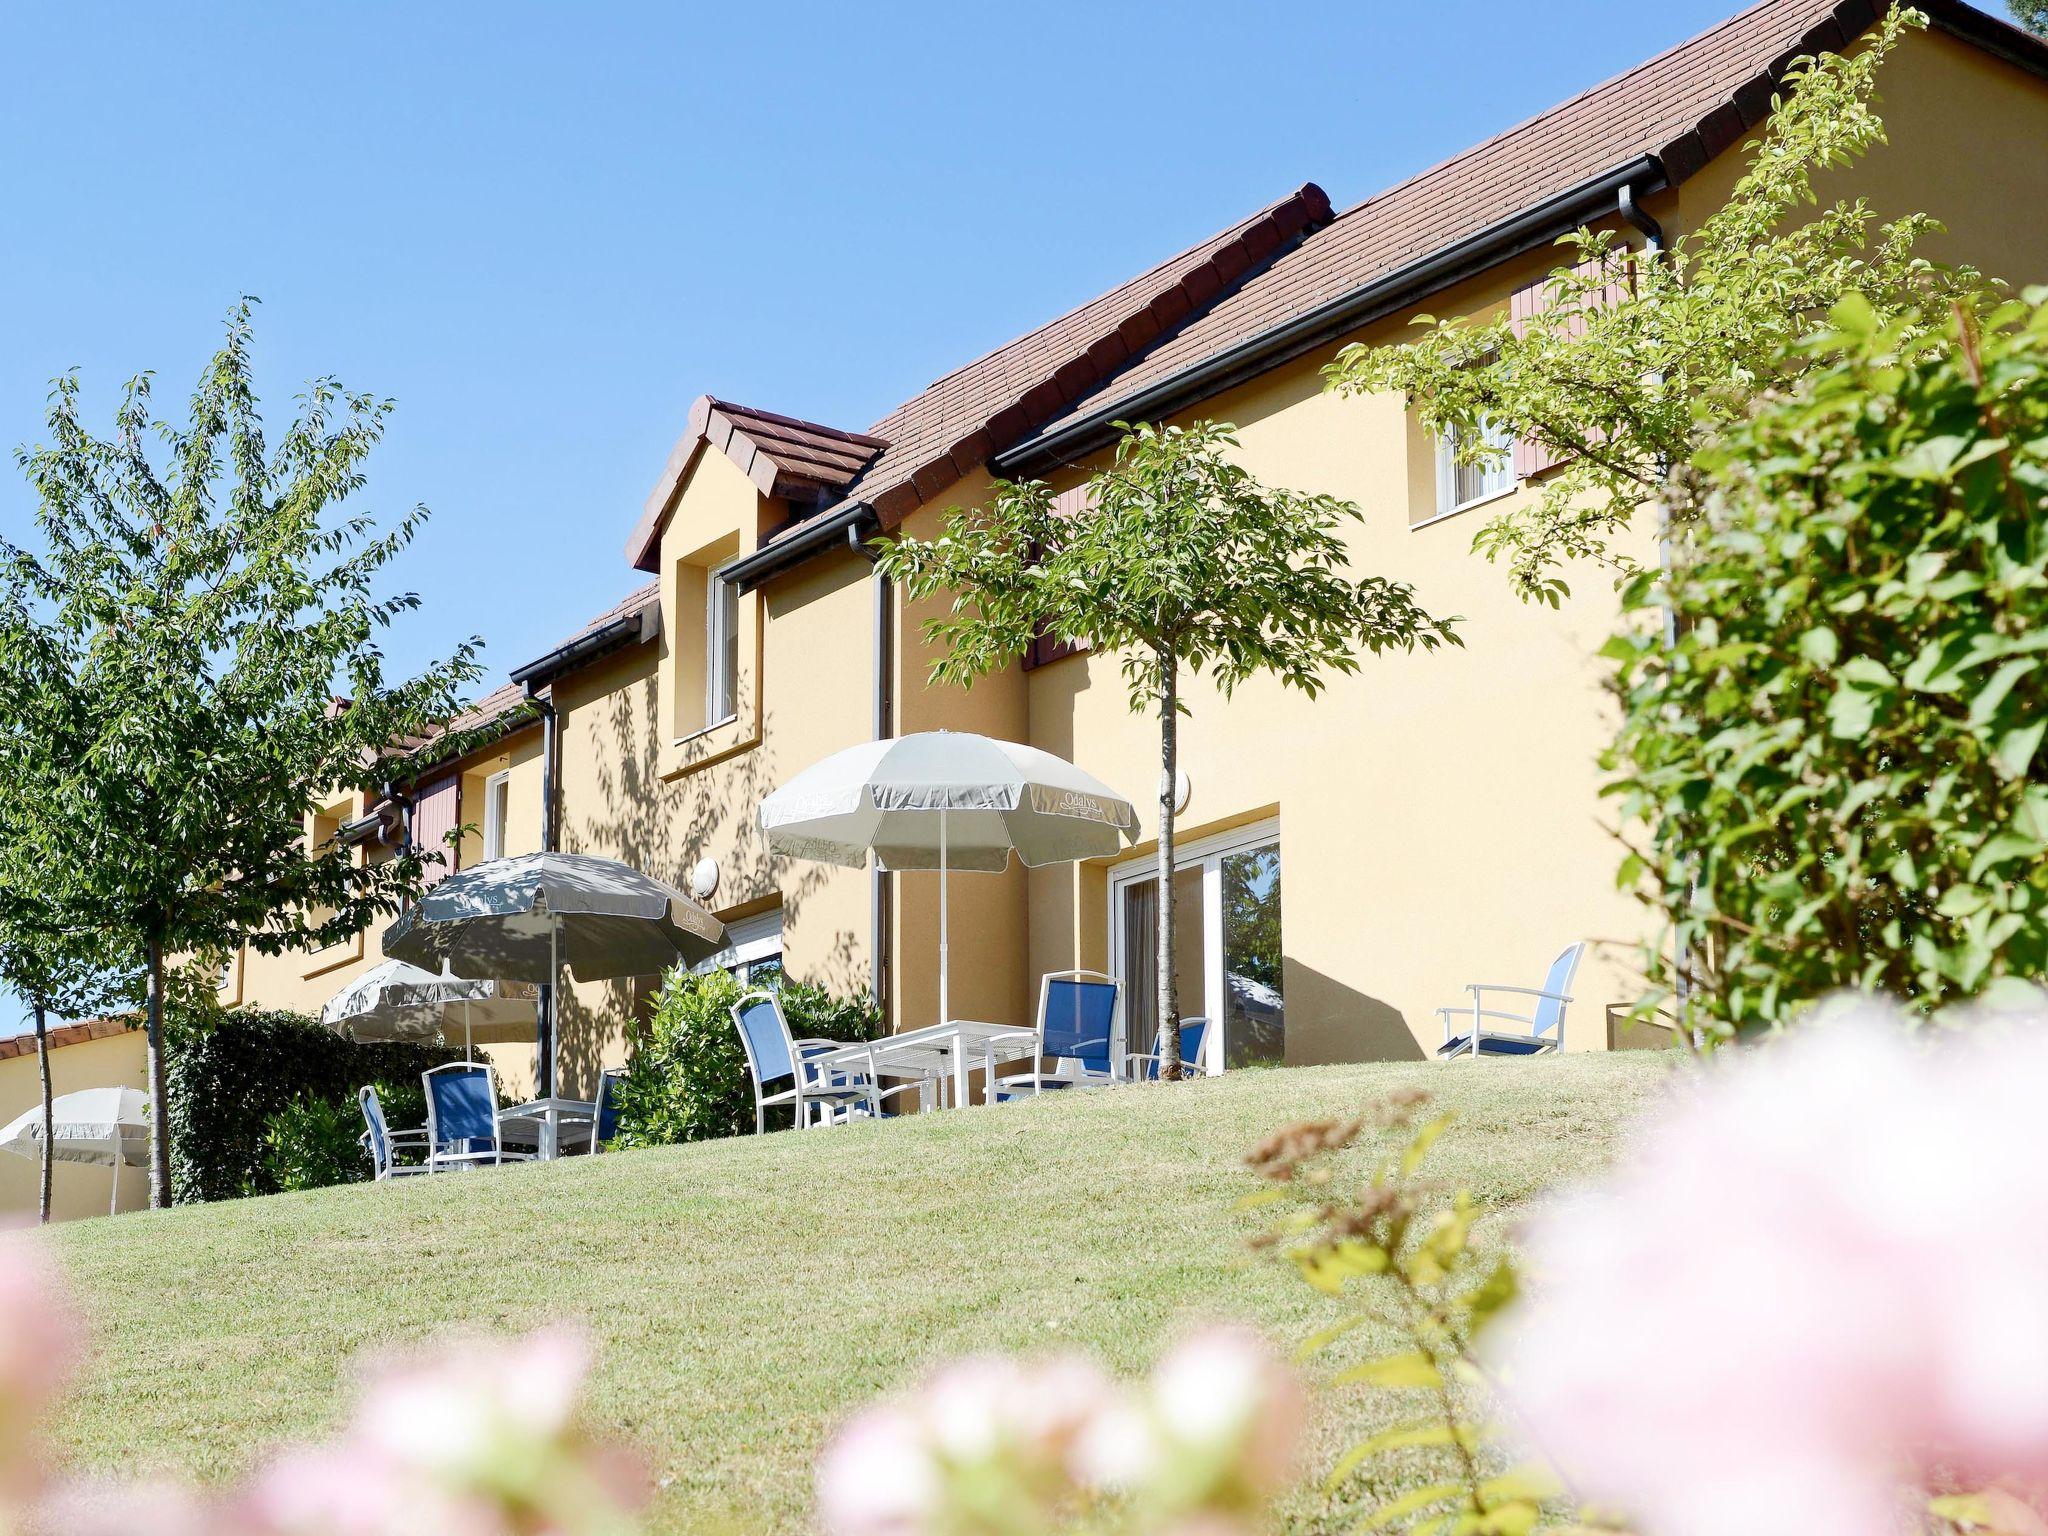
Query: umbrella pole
[468, 1045]
[945, 964]
[114, 1199]
[554, 1000]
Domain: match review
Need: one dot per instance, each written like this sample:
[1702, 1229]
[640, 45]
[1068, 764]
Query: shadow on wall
[664, 828]
[1328, 1021]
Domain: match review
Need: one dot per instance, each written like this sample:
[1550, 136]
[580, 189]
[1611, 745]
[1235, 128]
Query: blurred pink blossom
[995, 1443]
[479, 1439]
[1224, 1395]
[40, 1341]
[1815, 1278]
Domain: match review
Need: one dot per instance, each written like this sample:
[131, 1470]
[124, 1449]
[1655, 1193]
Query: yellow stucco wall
[1438, 814]
[76, 1189]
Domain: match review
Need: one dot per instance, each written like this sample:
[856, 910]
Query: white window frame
[716, 684]
[1447, 466]
[748, 941]
[497, 805]
[1208, 853]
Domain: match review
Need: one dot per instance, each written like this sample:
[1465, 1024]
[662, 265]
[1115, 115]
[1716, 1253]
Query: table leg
[550, 1145]
[960, 1098]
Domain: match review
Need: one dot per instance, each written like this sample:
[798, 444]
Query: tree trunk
[49, 1111]
[159, 1110]
[1169, 768]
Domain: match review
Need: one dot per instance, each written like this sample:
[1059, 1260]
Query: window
[753, 950]
[497, 802]
[721, 647]
[1461, 485]
[1227, 946]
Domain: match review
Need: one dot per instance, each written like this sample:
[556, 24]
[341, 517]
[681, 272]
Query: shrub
[688, 1077]
[241, 1083]
[312, 1143]
[1838, 764]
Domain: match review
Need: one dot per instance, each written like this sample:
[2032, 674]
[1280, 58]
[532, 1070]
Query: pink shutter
[1046, 649]
[1532, 458]
[434, 812]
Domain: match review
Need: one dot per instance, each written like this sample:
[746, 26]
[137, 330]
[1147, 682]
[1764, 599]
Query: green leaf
[1407, 1437]
[1414, 1501]
[2016, 748]
[1413, 1369]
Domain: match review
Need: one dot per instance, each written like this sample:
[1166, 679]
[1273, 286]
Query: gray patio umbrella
[400, 1002]
[946, 800]
[522, 919]
[93, 1125]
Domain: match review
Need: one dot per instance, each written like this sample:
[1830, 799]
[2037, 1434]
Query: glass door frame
[1209, 853]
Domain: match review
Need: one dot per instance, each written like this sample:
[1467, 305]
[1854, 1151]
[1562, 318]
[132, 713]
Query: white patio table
[547, 1118]
[934, 1053]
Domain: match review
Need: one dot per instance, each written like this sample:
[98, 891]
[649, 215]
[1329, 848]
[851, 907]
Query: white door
[1227, 943]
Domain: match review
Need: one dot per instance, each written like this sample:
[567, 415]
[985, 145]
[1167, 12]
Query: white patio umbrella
[400, 1002]
[522, 919]
[93, 1125]
[946, 800]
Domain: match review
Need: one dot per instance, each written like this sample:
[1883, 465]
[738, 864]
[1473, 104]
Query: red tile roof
[800, 461]
[1684, 107]
[63, 1035]
[992, 402]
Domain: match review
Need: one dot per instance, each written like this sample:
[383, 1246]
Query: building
[1430, 821]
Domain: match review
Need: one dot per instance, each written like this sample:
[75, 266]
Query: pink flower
[878, 1476]
[40, 1341]
[1815, 1277]
[1224, 1395]
[479, 1440]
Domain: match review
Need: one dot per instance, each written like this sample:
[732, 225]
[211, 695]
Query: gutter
[850, 521]
[1525, 231]
[624, 630]
[884, 724]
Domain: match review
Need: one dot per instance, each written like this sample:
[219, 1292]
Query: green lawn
[747, 1293]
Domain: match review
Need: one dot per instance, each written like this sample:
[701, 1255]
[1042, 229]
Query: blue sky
[545, 229]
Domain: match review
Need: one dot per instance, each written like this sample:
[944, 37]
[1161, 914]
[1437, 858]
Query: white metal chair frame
[1536, 1037]
[439, 1160]
[813, 1096]
[384, 1144]
[1068, 1071]
[1208, 1064]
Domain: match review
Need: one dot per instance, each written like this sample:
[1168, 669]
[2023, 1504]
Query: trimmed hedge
[258, 1099]
[688, 1080]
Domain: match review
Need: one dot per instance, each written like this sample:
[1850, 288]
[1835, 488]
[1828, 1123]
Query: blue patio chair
[814, 1096]
[604, 1114]
[384, 1144]
[1195, 1037]
[1466, 1024]
[1076, 1029]
[462, 1118]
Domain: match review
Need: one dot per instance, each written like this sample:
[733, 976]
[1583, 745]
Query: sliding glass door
[1227, 955]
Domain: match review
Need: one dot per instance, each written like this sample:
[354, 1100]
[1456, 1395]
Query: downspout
[884, 726]
[1653, 240]
[550, 777]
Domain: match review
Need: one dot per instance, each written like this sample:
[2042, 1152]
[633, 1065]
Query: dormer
[737, 479]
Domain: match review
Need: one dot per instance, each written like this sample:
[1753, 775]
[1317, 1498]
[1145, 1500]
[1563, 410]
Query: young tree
[202, 616]
[53, 966]
[1179, 561]
[1638, 358]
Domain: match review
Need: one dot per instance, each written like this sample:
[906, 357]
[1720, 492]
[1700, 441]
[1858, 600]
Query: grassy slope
[747, 1293]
